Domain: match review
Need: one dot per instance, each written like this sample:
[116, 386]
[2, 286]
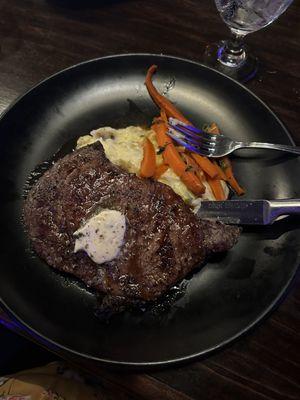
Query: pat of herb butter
[102, 236]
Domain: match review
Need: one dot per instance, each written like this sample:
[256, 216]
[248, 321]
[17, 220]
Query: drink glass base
[245, 70]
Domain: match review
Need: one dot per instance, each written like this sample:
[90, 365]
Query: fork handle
[271, 146]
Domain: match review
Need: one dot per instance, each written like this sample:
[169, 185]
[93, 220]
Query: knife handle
[283, 207]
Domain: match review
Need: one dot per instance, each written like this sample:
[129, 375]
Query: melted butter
[101, 237]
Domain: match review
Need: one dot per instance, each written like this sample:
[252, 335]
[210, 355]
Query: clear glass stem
[233, 53]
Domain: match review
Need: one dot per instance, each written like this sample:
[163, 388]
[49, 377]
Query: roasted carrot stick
[193, 183]
[169, 110]
[169, 152]
[226, 165]
[160, 129]
[163, 115]
[193, 166]
[216, 188]
[160, 170]
[221, 174]
[189, 178]
[148, 164]
[208, 167]
[173, 159]
[213, 128]
[190, 162]
[227, 168]
[161, 101]
[215, 184]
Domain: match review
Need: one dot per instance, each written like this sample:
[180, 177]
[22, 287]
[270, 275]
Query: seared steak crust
[164, 240]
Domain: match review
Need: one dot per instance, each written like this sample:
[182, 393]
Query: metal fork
[212, 145]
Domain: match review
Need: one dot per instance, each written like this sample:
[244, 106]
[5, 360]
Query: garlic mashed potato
[124, 147]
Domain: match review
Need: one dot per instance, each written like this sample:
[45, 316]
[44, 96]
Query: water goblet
[242, 17]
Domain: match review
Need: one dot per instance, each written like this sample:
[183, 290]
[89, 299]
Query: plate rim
[121, 55]
[42, 339]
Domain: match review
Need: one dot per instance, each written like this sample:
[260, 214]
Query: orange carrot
[226, 165]
[148, 164]
[235, 185]
[169, 110]
[213, 128]
[171, 155]
[227, 168]
[160, 170]
[221, 174]
[193, 183]
[163, 115]
[173, 159]
[161, 101]
[193, 166]
[189, 178]
[216, 187]
[207, 166]
[169, 152]
[159, 127]
[190, 162]
[215, 184]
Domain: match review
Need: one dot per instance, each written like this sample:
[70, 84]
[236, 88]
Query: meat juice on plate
[246, 16]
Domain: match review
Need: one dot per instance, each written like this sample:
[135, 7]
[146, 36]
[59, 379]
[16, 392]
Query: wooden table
[40, 37]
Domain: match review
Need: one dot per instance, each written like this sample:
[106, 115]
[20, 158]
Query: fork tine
[204, 145]
[191, 140]
[191, 147]
[201, 152]
[198, 150]
[186, 133]
[177, 139]
[201, 144]
[201, 136]
[189, 129]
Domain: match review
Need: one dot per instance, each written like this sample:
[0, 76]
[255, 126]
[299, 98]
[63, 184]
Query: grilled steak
[163, 241]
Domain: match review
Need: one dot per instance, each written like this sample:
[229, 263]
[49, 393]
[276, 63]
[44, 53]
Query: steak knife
[248, 212]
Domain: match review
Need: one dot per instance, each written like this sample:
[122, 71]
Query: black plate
[226, 297]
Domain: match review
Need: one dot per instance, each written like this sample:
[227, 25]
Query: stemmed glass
[242, 17]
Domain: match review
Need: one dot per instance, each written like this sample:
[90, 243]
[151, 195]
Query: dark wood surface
[40, 37]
